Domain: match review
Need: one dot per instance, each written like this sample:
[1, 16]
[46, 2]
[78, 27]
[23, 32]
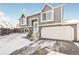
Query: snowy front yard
[10, 43]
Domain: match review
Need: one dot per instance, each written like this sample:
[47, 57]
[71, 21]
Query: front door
[35, 27]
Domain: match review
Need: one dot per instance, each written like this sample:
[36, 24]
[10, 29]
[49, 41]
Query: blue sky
[14, 10]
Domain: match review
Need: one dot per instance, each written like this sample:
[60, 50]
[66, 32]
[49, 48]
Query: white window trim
[50, 19]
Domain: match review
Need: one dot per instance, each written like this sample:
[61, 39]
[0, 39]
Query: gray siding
[46, 8]
[58, 14]
[34, 17]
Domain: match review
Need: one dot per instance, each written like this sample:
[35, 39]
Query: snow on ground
[55, 53]
[49, 47]
[10, 43]
[72, 21]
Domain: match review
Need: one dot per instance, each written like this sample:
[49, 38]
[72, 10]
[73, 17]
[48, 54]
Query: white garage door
[58, 32]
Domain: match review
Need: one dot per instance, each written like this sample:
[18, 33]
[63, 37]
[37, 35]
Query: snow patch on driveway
[12, 42]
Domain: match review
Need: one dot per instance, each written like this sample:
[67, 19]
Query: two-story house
[49, 24]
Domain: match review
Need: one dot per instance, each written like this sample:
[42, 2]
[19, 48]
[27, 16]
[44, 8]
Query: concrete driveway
[10, 43]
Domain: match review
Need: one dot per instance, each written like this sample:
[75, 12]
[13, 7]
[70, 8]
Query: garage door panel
[58, 32]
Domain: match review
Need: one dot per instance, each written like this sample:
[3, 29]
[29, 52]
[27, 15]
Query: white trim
[50, 19]
[50, 24]
[53, 14]
[62, 14]
[58, 24]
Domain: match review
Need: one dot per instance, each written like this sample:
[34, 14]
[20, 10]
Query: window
[44, 16]
[47, 16]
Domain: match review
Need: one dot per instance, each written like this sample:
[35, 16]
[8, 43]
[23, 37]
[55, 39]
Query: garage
[58, 32]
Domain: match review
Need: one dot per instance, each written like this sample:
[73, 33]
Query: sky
[12, 11]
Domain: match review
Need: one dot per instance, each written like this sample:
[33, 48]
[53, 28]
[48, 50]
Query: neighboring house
[49, 24]
[23, 23]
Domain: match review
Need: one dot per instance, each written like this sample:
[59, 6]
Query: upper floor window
[44, 16]
[47, 16]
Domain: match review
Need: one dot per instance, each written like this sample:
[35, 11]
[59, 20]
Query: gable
[23, 16]
[46, 8]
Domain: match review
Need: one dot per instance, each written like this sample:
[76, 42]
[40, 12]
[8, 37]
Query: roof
[34, 14]
[72, 21]
[23, 16]
[49, 4]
